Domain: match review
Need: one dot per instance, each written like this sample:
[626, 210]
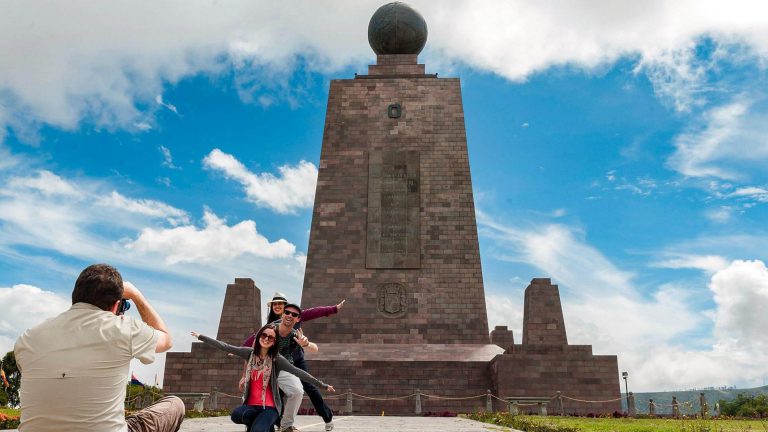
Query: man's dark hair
[100, 285]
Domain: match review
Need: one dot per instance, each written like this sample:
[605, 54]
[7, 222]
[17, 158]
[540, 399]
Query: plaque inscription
[393, 210]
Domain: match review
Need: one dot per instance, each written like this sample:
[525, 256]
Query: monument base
[386, 376]
[541, 371]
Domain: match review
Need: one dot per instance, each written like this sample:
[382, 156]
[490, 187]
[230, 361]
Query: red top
[254, 391]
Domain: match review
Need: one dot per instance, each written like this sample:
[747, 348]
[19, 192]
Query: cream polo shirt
[74, 369]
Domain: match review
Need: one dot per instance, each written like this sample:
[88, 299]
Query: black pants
[314, 394]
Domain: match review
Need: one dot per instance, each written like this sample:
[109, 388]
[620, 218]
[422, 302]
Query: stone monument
[394, 233]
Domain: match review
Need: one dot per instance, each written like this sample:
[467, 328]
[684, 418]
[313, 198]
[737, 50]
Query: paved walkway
[354, 423]
[357, 424]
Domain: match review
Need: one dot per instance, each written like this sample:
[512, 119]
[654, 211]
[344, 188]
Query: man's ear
[114, 307]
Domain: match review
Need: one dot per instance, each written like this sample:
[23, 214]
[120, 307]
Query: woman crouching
[261, 400]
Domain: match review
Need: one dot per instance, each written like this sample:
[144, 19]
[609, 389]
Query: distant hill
[661, 399]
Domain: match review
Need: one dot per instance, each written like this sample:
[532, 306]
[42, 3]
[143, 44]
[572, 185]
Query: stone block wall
[392, 371]
[572, 370]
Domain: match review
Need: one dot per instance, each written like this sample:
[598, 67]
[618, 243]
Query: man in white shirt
[74, 367]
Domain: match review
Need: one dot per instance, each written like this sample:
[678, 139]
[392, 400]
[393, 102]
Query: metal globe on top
[396, 28]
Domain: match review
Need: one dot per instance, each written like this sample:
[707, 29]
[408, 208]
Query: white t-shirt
[74, 369]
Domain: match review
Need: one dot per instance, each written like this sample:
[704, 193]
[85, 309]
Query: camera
[124, 306]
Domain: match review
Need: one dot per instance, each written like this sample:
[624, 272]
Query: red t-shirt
[254, 392]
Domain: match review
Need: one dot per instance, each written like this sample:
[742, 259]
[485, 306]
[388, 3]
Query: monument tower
[393, 228]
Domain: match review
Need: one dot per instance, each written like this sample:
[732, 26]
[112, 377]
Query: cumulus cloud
[25, 306]
[650, 332]
[214, 243]
[108, 63]
[741, 294]
[293, 189]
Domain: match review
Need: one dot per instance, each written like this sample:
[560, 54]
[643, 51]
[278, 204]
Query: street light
[626, 387]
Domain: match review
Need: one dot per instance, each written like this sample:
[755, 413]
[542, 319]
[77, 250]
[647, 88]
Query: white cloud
[25, 306]
[171, 107]
[756, 193]
[216, 242]
[155, 209]
[561, 253]
[31, 206]
[45, 182]
[708, 263]
[730, 138]
[741, 294]
[108, 61]
[294, 189]
[167, 157]
[722, 214]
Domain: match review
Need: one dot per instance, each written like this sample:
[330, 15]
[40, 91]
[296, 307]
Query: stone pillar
[560, 409]
[632, 410]
[651, 408]
[488, 401]
[215, 398]
[514, 409]
[675, 407]
[543, 322]
[703, 406]
[348, 407]
[241, 311]
[503, 337]
[542, 409]
[418, 402]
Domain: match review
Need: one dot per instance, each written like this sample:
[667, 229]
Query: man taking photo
[74, 367]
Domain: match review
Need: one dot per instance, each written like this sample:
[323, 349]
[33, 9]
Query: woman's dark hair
[271, 315]
[273, 350]
[100, 285]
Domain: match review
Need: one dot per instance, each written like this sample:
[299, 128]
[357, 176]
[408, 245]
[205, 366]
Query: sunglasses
[267, 337]
[293, 314]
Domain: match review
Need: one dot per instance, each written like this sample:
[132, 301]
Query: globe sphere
[396, 28]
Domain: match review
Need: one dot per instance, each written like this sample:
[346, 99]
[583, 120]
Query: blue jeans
[257, 419]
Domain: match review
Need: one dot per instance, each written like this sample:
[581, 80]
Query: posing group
[274, 364]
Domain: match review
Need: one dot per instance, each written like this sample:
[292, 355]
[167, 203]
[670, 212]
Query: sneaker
[329, 426]
[291, 429]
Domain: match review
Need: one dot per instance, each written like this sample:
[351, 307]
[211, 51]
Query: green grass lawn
[573, 424]
[10, 411]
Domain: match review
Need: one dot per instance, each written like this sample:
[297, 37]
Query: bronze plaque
[393, 210]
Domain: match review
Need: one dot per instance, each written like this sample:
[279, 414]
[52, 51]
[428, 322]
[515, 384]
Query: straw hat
[277, 298]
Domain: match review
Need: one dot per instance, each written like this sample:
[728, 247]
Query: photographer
[75, 366]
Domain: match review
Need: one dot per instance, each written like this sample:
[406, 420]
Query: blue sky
[618, 148]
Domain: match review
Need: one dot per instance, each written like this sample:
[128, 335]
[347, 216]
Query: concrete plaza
[356, 423]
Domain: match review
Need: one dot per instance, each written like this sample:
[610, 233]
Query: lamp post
[626, 387]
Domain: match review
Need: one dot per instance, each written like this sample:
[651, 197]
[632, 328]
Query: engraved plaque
[392, 300]
[393, 210]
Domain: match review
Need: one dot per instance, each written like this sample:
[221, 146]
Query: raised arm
[320, 311]
[242, 352]
[149, 316]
